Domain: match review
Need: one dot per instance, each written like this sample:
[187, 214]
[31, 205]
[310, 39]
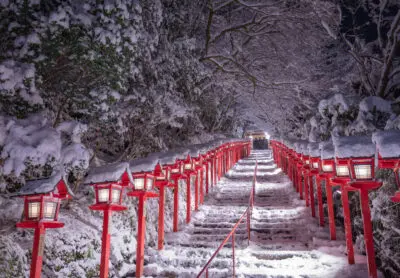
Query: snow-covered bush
[31, 148]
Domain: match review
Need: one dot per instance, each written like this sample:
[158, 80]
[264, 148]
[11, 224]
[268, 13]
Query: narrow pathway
[286, 241]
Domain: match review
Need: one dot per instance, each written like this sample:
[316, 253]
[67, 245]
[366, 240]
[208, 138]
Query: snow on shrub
[19, 78]
[33, 142]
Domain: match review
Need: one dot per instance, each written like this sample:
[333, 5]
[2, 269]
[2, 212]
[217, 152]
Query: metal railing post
[233, 254]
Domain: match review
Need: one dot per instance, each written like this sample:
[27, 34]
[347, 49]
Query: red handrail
[247, 213]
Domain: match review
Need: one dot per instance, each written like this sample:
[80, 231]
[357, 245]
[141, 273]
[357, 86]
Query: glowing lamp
[362, 168]
[342, 168]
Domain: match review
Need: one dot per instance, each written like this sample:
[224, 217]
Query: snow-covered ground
[286, 240]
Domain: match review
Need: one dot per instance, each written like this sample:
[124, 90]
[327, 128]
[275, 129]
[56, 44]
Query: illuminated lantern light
[143, 187]
[108, 182]
[360, 152]
[42, 200]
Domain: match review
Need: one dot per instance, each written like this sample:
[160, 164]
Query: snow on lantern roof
[327, 151]
[143, 164]
[168, 157]
[353, 146]
[112, 172]
[313, 149]
[387, 143]
[55, 183]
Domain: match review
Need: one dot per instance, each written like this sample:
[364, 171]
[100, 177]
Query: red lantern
[143, 188]
[42, 199]
[360, 152]
[108, 182]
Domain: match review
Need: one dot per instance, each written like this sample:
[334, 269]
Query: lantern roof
[327, 150]
[313, 149]
[169, 157]
[113, 172]
[56, 184]
[353, 146]
[143, 164]
[387, 143]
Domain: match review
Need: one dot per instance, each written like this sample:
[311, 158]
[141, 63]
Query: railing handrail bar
[249, 207]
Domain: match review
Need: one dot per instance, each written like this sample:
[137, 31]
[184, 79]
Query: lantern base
[113, 207]
[340, 181]
[314, 172]
[366, 185]
[36, 224]
[396, 197]
[325, 175]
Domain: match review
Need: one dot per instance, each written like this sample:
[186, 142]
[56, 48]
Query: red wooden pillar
[305, 175]
[196, 191]
[161, 206]
[140, 236]
[188, 199]
[368, 237]
[320, 204]
[105, 244]
[300, 182]
[331, 212]
[202, 185]
[207, 176]
[347, 225]
[312, 201]
[37, 252]
[176, 205]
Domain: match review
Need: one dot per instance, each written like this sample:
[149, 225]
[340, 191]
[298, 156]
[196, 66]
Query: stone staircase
[286, 241]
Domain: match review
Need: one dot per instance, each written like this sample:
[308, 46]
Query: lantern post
[162, 176]
[143, 188]
[313, 150]
[326, 172]
[342, 178]
[360, 154]
[42, 200]
[305, 170]
[108, 182]
[189, 172]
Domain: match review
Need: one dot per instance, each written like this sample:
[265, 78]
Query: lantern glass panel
[103, 195]
[115, 195]
[139, 183]
[363, 171]
[342, 170]
[49, 211]
[188, 166]
[327, 168]
[315, 165]
[175, 170]
[149, 184]
[33, 210]
[307, 161]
